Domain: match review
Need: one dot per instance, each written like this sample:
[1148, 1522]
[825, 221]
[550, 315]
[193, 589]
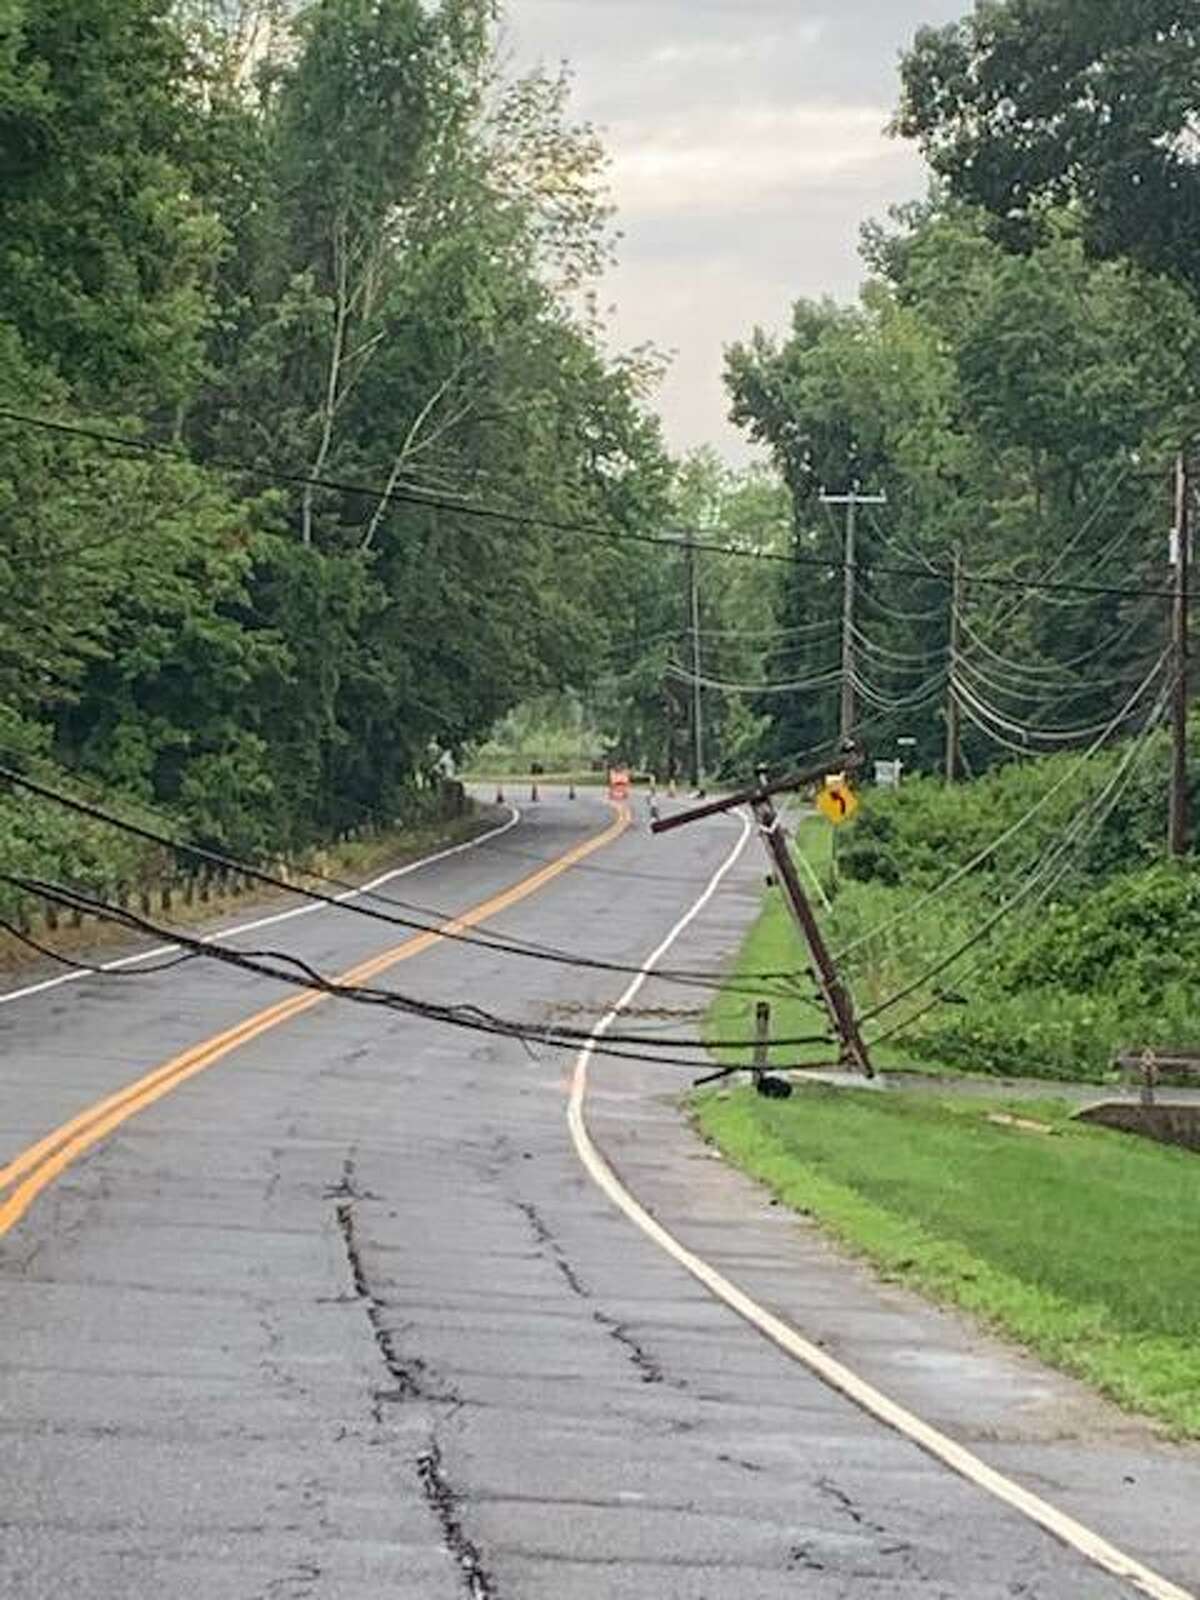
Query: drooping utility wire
[145, 970]
[1099, 817]
[1096, 563]
[1007, 907]
[800, 630]
[1038, 711]
[921, 659]
[285, 967]
[1119, 473]
[1040, 692]
[13, 752]
[1031, 734]
[893, 542]
[826, 680]
[1051, 873]
[439, 915]
[929, 691]
[1050, 669]
[1014, 746]
[524, 519]
[892, 614]
[520, 949]
[989, 850]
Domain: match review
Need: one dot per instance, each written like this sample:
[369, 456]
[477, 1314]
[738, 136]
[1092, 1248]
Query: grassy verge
[1077, 1242]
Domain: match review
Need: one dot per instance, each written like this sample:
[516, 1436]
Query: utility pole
[851, 501]
[697, 691]
[953, 718]
[837, 1000]
[1180, 822]
[836, 997]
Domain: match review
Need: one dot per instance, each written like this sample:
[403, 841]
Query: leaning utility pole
[851, 501]
[1180, 822]
[953, 716]
[837, 999]
[697, 691]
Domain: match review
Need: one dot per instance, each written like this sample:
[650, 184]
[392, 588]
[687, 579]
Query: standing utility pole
[1180, 822]
[851, 501]
[953, 719]
[697, 693]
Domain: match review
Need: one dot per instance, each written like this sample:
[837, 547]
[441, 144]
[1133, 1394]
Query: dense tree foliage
[1030, 104]
[645, 702]
[1018, 377]
[639, 707]
[1015, 406]
[333, 243]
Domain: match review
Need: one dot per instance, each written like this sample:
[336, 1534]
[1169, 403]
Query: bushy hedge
[1065, 984]
[1136, 935]
[917, 834]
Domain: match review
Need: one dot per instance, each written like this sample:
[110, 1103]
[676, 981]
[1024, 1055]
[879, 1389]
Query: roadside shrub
[1046, 1033]
[1135, 936]
[917, 834]
[1106, 966]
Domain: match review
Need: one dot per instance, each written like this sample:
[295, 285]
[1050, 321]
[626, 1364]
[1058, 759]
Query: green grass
[1079, 1244]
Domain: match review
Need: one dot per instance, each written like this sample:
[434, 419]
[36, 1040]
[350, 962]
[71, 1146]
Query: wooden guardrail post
[1149, 1076]
[762, 1041]
[771, 1088]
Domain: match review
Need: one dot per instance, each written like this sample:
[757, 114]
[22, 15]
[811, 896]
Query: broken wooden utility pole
[1180, 821]
[838, 1003]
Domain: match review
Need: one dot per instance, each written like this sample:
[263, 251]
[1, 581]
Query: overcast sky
[748, 146]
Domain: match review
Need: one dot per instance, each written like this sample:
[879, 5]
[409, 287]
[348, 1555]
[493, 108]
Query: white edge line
[272, 921]
[832, 1373]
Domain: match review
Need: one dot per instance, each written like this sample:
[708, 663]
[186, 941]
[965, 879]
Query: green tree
[105, 253]
[331, 242]
[1028, 105]
[1007, 405]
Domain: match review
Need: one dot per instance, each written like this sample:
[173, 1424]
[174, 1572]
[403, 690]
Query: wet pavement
[343, 1316]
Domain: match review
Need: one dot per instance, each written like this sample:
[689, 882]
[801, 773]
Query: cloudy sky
[747, 143]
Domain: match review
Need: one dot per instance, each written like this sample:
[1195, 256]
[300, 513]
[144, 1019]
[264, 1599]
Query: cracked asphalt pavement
[344, 1317]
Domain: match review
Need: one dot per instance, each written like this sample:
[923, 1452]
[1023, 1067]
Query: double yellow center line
[23, 1179]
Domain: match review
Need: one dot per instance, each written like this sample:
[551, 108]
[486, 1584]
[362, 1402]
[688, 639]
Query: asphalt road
[343, 1316]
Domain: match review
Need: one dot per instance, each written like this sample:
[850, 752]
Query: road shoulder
[1113, 1472]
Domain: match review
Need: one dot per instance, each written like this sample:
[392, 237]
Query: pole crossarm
[853, 499]
[851, 761]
